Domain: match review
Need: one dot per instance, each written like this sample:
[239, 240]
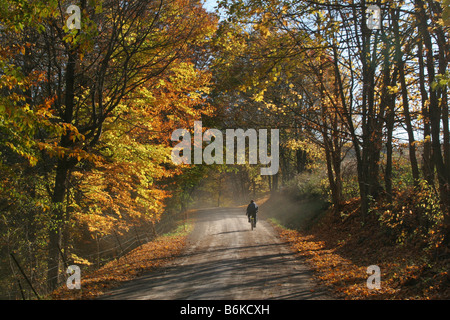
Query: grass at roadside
[143, 259]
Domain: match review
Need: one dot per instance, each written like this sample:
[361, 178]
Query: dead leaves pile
[345, 278]
[340, 259]
[143, 259]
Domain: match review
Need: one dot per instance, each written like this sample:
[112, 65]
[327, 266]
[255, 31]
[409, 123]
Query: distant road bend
[225, 260]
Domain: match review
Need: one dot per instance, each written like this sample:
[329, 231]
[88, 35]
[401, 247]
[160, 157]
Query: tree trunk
[427, 164]
[55, 233]
[275, 183]
[390, 121]
[435, 114]
[401, 69]
[371, 137]
[62, 171]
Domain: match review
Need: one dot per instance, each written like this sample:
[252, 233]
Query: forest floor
[146, 258]
[340, 247]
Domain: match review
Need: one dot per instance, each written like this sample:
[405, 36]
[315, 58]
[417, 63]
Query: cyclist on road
[252, 210]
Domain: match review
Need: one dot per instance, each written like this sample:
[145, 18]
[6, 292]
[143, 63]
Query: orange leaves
[344, 276]
[54, 150]
[339, 250]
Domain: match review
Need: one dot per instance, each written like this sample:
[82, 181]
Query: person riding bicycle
[252, 210]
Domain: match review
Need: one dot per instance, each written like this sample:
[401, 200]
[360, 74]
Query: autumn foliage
[85, 123]
[341, 246]
[86, 117]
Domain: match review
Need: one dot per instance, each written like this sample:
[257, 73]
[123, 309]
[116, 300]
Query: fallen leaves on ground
[143, 259]
[340, 251]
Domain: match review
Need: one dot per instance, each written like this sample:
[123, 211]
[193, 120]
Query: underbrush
[415, 216]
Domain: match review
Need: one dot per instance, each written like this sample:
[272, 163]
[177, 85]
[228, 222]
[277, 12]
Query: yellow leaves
[393, 89]
[79, 261]
[315, 153]
[97, 222]
[267, 16]
[259, 97]
[26, 155]
[121, 192]
[263, 29]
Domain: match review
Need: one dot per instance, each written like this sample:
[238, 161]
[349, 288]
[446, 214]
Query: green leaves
[446, 12]
[441, 81]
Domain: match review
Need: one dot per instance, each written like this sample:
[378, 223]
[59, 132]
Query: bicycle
[252, 222]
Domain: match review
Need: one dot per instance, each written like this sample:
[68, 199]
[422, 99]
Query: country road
[225, 260]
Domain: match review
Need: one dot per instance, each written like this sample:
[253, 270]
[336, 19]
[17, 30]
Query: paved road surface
[225, 260]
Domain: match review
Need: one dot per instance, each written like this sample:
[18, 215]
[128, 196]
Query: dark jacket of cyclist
[252, 209]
